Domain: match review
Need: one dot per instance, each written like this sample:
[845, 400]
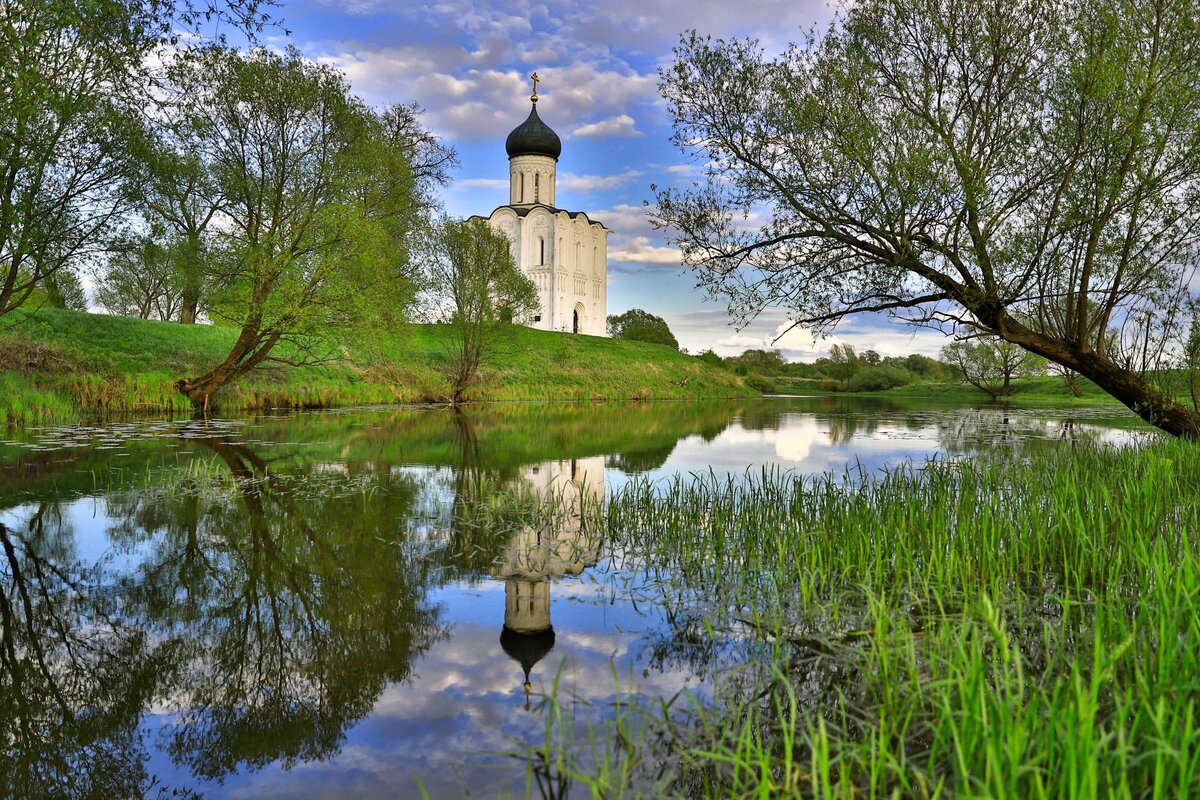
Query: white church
[564, 253]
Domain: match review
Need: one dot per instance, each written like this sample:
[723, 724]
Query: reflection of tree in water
[298, 608]
[267, 613]
[74, 673]
[634, 462]
[971, 431]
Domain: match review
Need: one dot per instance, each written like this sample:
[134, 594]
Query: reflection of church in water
[535, 558]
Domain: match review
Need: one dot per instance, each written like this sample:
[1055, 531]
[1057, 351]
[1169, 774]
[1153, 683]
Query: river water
[333, 604]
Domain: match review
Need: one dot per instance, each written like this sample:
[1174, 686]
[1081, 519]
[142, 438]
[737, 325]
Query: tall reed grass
[993, 628]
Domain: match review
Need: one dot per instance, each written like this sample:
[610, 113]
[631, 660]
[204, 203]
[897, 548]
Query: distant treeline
[842, 370]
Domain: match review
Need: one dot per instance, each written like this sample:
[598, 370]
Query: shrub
[759, 383]
[831, 385]
[877, 379]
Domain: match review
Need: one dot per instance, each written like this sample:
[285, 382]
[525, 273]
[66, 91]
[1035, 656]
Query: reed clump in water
[990, 628]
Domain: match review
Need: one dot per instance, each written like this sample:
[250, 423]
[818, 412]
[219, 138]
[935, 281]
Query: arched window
[541, 250]
[536, 190]
[595, 259]
[521, 196]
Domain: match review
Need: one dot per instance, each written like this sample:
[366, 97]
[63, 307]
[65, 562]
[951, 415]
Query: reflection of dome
[527, 648]
[533, 138]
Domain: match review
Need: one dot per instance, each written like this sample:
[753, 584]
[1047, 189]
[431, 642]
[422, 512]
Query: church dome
[527, 649]
[533, 138]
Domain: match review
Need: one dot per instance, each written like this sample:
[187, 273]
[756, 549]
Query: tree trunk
[1128, 387]
[248, 352]
[190, 298]
[187, 312]
[1072, 384]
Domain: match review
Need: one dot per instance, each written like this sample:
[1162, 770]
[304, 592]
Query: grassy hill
[62, 365]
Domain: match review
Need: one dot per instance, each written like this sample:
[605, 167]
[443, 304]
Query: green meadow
[63, 365]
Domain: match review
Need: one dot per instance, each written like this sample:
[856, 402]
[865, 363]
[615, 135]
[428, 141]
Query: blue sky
[468, 64]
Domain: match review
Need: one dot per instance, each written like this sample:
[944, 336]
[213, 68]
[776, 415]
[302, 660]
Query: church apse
[564, 253]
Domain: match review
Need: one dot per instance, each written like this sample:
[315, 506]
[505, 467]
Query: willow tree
[76, 76]
[316, 203]
[1026, 169]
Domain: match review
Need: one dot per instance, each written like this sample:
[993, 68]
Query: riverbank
[60, 366]
[1031, 392]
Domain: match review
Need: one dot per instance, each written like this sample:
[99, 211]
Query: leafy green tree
[879, 378]
[76, 75]
[843, 362]
[1031, 169]
[641, 326]
[770, 362]
[872, 358]
[174, 191]
[990, 364]
[140, 279]
[476, 285]
[318, 205]
[63, 290]
[922, 366]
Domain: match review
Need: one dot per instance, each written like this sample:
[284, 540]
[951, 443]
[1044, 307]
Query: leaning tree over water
[1028, 170]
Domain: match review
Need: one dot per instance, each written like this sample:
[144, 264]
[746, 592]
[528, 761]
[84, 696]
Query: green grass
[993, 628]
[1026, 391]
[62, 365]
[1042, 391]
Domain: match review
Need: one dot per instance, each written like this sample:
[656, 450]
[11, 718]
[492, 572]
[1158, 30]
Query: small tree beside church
[475, 285]
[641, 326]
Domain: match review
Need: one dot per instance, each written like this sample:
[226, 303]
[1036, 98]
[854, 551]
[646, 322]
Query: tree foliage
[1030, 169]
[990, 364]
[878, 378]
[141, 279]
[317, 206]
[76, 80]
[474, 283]
[641, 326]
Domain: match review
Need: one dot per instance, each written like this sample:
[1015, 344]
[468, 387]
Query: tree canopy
[77, 81]
[1026, 169]
[641, 326]
[318, 202]
[989, 364]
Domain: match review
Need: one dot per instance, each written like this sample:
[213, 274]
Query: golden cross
[535, 80]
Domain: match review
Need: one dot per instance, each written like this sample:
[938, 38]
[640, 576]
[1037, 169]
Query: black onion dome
[533, 138]
[527, 649]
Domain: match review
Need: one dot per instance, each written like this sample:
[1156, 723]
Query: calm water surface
[301, 606]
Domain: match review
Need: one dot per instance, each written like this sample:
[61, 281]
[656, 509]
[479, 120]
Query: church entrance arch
[577, 321]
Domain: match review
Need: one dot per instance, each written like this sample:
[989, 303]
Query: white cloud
[585, 183]
[628, 219]
[471, 95]
[484, 183]
[620, 125]
[639, 251]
